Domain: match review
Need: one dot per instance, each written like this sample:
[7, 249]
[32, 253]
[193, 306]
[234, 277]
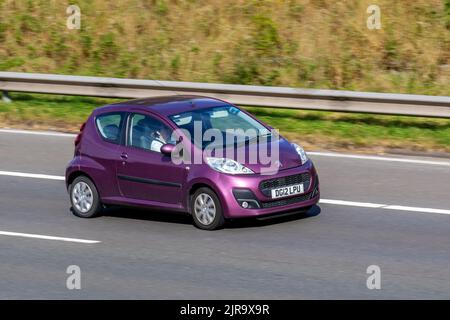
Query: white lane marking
[351, 203]
[44, 237]
[39, 133]
[384, 206]
[31, 175]
[320, 154]
[325, 201]
[415, 209]
[361, 157]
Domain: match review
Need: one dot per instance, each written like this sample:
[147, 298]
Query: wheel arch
[197, 185]
[78, 173]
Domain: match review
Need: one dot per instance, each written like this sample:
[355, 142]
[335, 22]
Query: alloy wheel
[205, 209]
[82, 197]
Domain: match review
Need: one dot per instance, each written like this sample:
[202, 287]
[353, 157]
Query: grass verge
[316, 130]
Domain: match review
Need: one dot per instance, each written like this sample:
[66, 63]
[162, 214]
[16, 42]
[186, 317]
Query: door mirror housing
[167, 148]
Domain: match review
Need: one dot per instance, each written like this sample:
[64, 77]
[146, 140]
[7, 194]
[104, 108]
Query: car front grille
[285, 202]
[292, 200]
[267, 185]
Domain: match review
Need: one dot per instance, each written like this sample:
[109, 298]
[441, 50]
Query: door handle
[124, 156]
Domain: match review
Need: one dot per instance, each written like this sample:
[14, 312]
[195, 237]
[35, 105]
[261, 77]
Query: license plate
[287, 191]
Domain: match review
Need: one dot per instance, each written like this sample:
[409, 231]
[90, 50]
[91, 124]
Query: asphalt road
[160, 255]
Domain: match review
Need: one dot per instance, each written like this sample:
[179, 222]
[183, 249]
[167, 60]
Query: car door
[143, 172]
[101, 140]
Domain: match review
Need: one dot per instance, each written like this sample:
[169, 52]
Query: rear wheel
[84, 198]
[207, 210]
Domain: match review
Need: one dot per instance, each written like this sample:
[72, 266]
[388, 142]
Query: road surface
[392, 212]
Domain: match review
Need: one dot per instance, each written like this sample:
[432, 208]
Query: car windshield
[219, 126]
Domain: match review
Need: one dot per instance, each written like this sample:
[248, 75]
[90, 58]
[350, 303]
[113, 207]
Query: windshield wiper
[238, 142]
[258, 137]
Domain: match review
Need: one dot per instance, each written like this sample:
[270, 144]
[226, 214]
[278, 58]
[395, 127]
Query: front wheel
[84, 198]
[207, 210]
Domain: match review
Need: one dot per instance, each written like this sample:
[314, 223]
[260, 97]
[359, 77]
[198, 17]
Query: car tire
[84, 198]
[206, 210]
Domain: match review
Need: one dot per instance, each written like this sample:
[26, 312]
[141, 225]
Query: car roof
[165, 105]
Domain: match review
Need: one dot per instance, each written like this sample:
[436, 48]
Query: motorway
[397, 216]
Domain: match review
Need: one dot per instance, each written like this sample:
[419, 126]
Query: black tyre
[206, 210]
[84, 198]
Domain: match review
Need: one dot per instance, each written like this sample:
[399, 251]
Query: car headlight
[301, 153]
[227, 166]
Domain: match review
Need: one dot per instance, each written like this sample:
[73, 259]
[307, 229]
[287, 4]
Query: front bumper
[235, 190]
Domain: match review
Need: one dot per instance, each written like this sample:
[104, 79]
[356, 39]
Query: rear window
[109, 126]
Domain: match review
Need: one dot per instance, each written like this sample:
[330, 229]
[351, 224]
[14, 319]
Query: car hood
[268, 158]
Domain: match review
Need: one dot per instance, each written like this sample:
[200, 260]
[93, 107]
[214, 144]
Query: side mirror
[167, 148]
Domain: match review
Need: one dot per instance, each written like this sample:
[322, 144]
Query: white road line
[385, 206]
[44, 237]
[414, 209]
[325, 201]
[320, 154]
[361, 157]
[39, 133]
[31, 175]
[351, 203]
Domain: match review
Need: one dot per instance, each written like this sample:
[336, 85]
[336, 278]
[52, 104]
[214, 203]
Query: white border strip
[325, 201]
[319, 154]
[31, 175]
[361, 157]
[44, 237]
[38, 133]
[384, 206]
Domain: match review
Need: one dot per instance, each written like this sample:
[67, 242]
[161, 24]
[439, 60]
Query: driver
[156, 136]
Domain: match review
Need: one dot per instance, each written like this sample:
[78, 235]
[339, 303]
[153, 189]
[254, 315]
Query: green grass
[46, 111]
[314, 129]
[295, 43]
[332, 130]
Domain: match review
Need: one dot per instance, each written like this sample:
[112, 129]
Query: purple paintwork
[105, 162]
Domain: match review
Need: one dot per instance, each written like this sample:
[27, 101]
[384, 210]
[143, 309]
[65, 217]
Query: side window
[109, 126]
[148, 133]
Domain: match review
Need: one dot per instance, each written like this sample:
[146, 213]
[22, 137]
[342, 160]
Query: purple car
[192, 154]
